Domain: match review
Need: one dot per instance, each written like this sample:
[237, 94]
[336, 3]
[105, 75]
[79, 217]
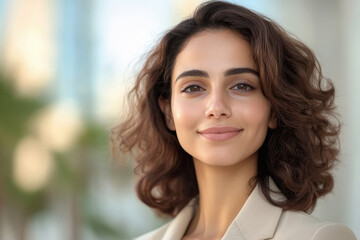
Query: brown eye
[242, 87]
[192, 88]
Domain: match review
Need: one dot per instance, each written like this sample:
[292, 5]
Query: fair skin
[221, 118]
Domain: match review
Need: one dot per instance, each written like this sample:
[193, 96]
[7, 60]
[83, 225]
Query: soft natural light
[33, 164]
[58, 126]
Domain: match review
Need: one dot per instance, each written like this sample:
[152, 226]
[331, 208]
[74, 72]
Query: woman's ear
[165, 107]
[272, 121]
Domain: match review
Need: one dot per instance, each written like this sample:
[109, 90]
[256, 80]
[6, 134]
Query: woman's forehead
[214, 51]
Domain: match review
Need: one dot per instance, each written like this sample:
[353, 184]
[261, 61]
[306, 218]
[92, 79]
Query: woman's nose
[217, 105]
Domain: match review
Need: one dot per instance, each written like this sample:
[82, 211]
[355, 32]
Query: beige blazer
[258, 219]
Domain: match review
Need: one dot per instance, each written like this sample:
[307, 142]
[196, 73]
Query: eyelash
[190, 84]
[185, 88]
[248, 86]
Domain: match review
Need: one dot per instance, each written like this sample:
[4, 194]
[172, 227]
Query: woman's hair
[298, 155]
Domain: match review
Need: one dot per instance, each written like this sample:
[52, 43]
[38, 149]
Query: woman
[233, 130]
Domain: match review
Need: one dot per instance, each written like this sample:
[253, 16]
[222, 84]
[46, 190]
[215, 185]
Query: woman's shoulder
[300, 225]
[176, 228]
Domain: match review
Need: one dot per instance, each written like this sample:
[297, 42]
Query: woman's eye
[192, 88]
[242, 87]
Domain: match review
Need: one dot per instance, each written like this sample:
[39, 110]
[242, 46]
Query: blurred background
[64, 68]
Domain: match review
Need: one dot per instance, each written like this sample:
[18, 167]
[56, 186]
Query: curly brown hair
[298, 155]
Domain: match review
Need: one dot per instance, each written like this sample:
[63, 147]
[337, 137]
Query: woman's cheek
[185, 114]
[255, 110]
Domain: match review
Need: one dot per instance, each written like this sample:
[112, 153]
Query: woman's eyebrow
[193, 73]
[200, 73]
[234, 71]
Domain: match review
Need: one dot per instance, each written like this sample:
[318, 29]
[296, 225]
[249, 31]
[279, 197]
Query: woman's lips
[219, 134]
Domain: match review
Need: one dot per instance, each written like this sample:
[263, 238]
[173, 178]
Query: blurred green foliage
[71, 176]
[15, 114]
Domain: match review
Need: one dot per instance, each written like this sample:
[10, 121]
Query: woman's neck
[223, 191]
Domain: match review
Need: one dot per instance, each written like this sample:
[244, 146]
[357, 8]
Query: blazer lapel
[179, 224]
[257, 219]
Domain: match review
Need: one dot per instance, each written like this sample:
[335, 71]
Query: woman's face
[217, 107]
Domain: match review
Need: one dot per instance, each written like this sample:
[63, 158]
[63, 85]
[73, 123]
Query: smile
[219, 134]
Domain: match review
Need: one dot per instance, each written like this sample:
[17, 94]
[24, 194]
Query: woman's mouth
[219, 134]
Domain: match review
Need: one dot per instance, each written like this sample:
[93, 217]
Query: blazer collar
[177, 227]
[257, 219]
